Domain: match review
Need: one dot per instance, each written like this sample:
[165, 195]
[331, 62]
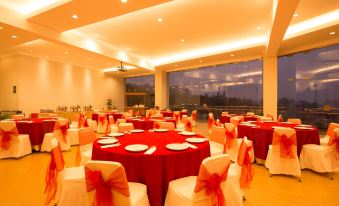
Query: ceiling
[163, 34]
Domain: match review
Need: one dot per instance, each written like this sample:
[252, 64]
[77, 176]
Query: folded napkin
[111, 145]
[190, 145]
[151, 150]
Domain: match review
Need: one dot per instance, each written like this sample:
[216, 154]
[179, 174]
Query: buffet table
[147, 123]
[158, 169]
[36, 129]
[262, 133]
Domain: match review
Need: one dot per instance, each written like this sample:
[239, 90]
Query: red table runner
[158, 169]
[262, 135]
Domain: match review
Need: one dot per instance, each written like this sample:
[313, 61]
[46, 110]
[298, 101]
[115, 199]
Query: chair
[102, 123]
[18, 116]
[265, 119]
[121, 121]
[64, 186]
[198, 191]
[13, 144]
[125, 127]
[188, 125]
[224, 114]
[73, 132]
[176, 116]
[60, 133]
[321, 158]
[217, 140]
[127, 115]
[84, 152]
[329, 133]
[113, 127]
[250, 113]
[282, 155]
[235, 121]
[240, 117]
[93, 124]
[167, 125]
[194, 117]
[108, 180]
[231, 146]
[294, 121]
[210, 122]
[182, 123]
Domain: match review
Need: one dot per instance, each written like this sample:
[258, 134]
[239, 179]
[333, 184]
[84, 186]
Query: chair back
[176, 116]
[210, 120]
[124, 127]
[111, 120]
[119, 121]
[235, 121]
[18, 116]
[294, 121]
[331, 128]
[285, 142]
[217, 134]
[86, 137]
[240, 117]
[212, 178]
[167, 125]
[224, 114]
[184, 119]
[8, 134]
[250, 113]
[127, 115]
[116, 189]
[244, 160]
[60, 130]
[334, 142]
[188, 125]
[102, 123]
[194, 115]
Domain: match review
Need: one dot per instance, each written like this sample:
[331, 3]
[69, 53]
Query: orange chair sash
[5, 137]
[194, 115]
[63, 129]
[335, 140]
[286, 143]
[230, 138]
[103, 195]
[188, 125]
[176, 117]
[210, 122]
[56, 165]
[211, 184]
[102, 119]
[244, 160]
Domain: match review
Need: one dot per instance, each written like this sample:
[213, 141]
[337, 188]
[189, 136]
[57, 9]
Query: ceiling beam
[282, 15]
[73, 39]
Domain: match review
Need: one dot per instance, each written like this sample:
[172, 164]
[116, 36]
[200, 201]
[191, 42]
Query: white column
[161, 89]
[270, 86]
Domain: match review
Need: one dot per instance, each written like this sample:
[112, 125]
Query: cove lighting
[159, 19]
[313, 24]
[28, 7]
[207, 51]
[332, 33]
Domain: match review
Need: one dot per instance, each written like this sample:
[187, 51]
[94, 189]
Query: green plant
[109, 104]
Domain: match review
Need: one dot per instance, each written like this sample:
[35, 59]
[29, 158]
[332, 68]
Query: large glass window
[140, 91]
[236, 88]
[308, 86]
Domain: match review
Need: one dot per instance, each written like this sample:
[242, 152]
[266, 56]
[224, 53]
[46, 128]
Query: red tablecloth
[146, 123]
[226, 119]
[183, 113]
[262, 136]
[115, 116]
[158, 169]
[167, 114]
[36, 129]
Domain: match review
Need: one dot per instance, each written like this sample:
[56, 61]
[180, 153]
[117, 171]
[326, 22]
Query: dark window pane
[141, 89]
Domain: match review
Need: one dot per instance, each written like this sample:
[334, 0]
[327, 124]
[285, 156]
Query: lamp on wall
[122, 68]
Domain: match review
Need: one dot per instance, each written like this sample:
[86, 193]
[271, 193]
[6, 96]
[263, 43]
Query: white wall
[47, 84]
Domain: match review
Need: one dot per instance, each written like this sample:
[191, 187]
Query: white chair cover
[330, 131]
[166, 125]
[125, 127]
[102, 123]
[280, 160]
[217, 140]
[19, 144]
[63, 139]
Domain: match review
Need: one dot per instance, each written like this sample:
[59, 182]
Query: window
[308, 86]
[236, 88]
[140, 91]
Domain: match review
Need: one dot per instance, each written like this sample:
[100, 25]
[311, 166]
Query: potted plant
[109, 104]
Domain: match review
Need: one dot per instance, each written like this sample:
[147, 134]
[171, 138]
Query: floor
[22, 183]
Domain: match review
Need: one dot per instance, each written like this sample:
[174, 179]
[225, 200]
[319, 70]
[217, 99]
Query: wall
[47, 84]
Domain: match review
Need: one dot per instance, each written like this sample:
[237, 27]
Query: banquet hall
[169, 102]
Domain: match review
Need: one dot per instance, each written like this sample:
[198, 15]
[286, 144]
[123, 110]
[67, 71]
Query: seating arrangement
[321, 158]
[204, 189]
[330, 131]
[107, 185]
[282, 155]
[11, 143]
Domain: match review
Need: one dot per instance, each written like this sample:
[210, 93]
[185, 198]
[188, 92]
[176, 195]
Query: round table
[36, 129]
[226, 119]
[147, 123]
[114, 114]
[161, 167]
[262, 134]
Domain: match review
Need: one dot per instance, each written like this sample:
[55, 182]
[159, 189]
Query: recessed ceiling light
[66, 52]
[1, 27]
[159, 19]
[232, 55]
[200, 61]
[123, 1]
[295, 15]
[182, 40]
[74, 16]
[14, 37]
[332, 33]
[175, 65]
[89, 59]
[258, 28]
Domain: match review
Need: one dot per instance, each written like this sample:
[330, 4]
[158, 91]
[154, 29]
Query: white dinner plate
[176, 146]
[107, 141]
[136, 147]
[186, 133]
[136, 130]
[196, 140]
[115, 134]
[161, 130]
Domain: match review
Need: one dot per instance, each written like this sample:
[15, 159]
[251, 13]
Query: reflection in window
[308, 86]
[236, 88]
[140, 91]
